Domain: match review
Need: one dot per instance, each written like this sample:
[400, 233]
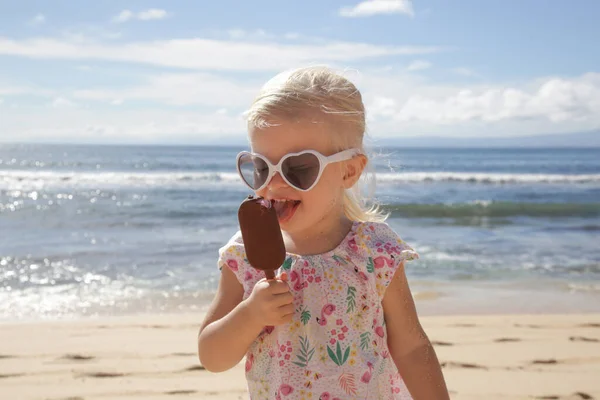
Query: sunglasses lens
[254, 170]
[301, 170]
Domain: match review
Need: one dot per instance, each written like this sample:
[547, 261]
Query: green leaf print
[346, 354]
[305, 316]
[365, 339]
[332, 355]
[338, 353]
[339, 259]
[370, 266]
[287, 264]
[339, 356]
[351, 299]
[306, 353]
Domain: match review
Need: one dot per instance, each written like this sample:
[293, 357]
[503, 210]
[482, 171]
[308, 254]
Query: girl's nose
[277, 182]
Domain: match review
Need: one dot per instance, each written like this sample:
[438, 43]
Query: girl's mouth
[285, 209]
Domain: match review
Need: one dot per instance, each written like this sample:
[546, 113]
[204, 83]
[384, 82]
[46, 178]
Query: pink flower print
[288, 343]
[379, 331]
[328, 309]
[289, 349]
[371, 227]
[352, 244]
[313, 271]
[310, 279]
[287, 356]
[305, 263]
[281, 363]
[248, 275]
[366, 378]
[380, 250]
[345, 329]
[282, 347]
[381, 261]
[333, 332]
[249, 362]
[271, 353]
[318, 279]
[285, 389]
[339, 322]
[325, 396]
[332, 341]
[341, 336]
[361, 274]
[306, 271]
[294, 276]
[232, 264]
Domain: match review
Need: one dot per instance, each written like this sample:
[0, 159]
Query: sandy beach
[154, 357]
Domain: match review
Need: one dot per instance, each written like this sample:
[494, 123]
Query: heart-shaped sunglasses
[301, 170]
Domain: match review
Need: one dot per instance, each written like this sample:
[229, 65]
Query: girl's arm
[410, 347]
[232, 324]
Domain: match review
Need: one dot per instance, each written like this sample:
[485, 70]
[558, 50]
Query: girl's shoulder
[380, 238]
[233, 255]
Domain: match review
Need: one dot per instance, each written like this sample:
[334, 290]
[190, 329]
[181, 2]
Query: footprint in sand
[582, 339]
[195, 368]
[574, 396]
[5, 376]
[453, 364]
[174, 392]
[546, 361]
[590, 325]
[103, 375]
[507, 339]
[77, 357]
[439, 343]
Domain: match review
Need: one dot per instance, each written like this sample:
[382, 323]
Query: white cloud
[398, 103]
[39, 19]
[202, 53]
[373, 7]
[151, 14]
[117, 125]
[419, 65]
[464, 71]
[146, 15]
[123, 16]
[549, 102]
[180, 90]
[61, 102]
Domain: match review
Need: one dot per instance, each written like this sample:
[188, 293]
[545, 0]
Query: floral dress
[336, 345]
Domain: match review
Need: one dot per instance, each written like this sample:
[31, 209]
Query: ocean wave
[17, 180]
[486, 177]
[494, 210]
[23, 179]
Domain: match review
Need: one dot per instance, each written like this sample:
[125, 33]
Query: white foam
[489, 178]
[23, 179]
[18, 180]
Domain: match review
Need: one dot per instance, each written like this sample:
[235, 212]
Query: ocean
[110, 230]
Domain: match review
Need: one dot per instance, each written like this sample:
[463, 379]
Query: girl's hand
[271, 302]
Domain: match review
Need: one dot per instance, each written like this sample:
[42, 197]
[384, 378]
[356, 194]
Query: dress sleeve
[388, 252]
[233, 256]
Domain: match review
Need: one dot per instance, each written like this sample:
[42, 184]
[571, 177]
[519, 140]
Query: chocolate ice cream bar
[261, 234]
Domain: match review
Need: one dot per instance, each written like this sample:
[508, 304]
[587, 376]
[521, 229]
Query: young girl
[339, 320]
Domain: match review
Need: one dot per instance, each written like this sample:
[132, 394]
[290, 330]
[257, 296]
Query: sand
[154, 357]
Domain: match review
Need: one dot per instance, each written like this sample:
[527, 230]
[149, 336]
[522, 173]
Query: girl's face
[302, 213]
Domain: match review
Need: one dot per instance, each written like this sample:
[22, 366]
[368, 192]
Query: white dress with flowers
[336, 346]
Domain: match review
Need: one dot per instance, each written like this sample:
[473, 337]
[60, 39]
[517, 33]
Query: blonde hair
[319, 91]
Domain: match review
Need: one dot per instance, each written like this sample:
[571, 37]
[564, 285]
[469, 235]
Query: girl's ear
[353, 169]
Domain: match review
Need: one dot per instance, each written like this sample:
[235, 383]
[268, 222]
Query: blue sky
[184, 71]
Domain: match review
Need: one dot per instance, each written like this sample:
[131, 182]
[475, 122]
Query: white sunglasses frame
[324, 161]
